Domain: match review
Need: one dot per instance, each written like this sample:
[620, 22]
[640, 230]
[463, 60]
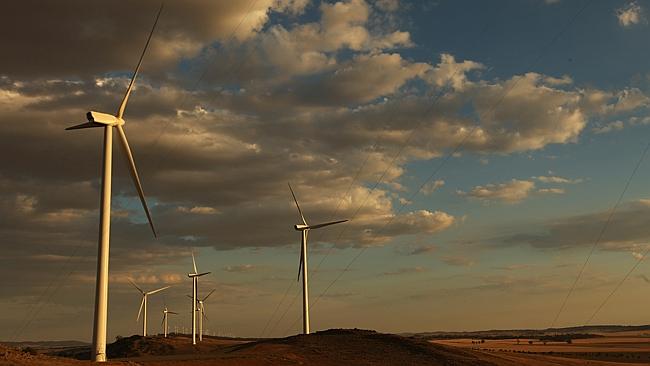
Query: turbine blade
[297, 205]
[134, 175]
[140, 311]
[300, 265]
[190, 296]
[205, 316]
[120, 112]
[208, 295]
[171, 312]
[163, 320]
[85, 125]
[158, 290]
[194, 263]
[202, 274]
[327, 224]
[136, 286]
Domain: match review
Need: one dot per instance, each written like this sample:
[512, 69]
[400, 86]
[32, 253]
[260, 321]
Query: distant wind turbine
[195, 284]
[304, 228]
[164, 320]
[201, 310]
[143, 304]
[108, 122]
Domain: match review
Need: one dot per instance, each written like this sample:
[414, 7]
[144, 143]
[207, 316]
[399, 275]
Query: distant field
[624, 347]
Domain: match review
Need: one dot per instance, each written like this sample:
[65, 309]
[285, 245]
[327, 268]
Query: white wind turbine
[164, 320]
[143, 304]
[195, 284]
[108, 122]
[304, 229]
[201, 310]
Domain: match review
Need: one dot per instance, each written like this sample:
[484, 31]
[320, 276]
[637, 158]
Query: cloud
[307, 100]
[609, 127]
[452, 73]
[240, 268]
[513, 191]
[639, 120]
[423, 249]
[630, 14]
[431, 187]
[405, 271]
[513, 267]
[202, 210]
[113, 33]
[551, 190]
[458, 261]
[363, 79]
[557, 179]
[628, 231]
[146, 279]
[387, 5]
[294, 7]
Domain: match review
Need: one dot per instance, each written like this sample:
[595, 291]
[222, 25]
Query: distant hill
[10, 356]
[529, 333]
[45, 344]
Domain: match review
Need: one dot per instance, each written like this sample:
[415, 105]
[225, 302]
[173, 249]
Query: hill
[29, 357]
[581, 332]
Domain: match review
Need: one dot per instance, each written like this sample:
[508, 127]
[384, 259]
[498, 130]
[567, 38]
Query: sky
[477, 149]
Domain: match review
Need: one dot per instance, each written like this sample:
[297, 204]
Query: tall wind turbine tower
[110, 122]
[195, 284]
[304, 229]
[143, 305]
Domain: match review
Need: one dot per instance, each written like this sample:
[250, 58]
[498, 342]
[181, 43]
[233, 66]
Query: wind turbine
[143, 304]
[304, 229]
[164, 320]
[195, 284]
[202, 315]
[108, 122]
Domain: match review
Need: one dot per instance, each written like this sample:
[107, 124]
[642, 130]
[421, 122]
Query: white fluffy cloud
[450, 72]
[511, 192]
[433, 186]
[630, 14]
[557, 179]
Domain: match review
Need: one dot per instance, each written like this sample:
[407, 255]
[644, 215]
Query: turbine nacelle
[301, 227]
[103, 118]
[190, 275]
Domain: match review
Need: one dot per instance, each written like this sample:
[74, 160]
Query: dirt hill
[355, 347]
[29, 357]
